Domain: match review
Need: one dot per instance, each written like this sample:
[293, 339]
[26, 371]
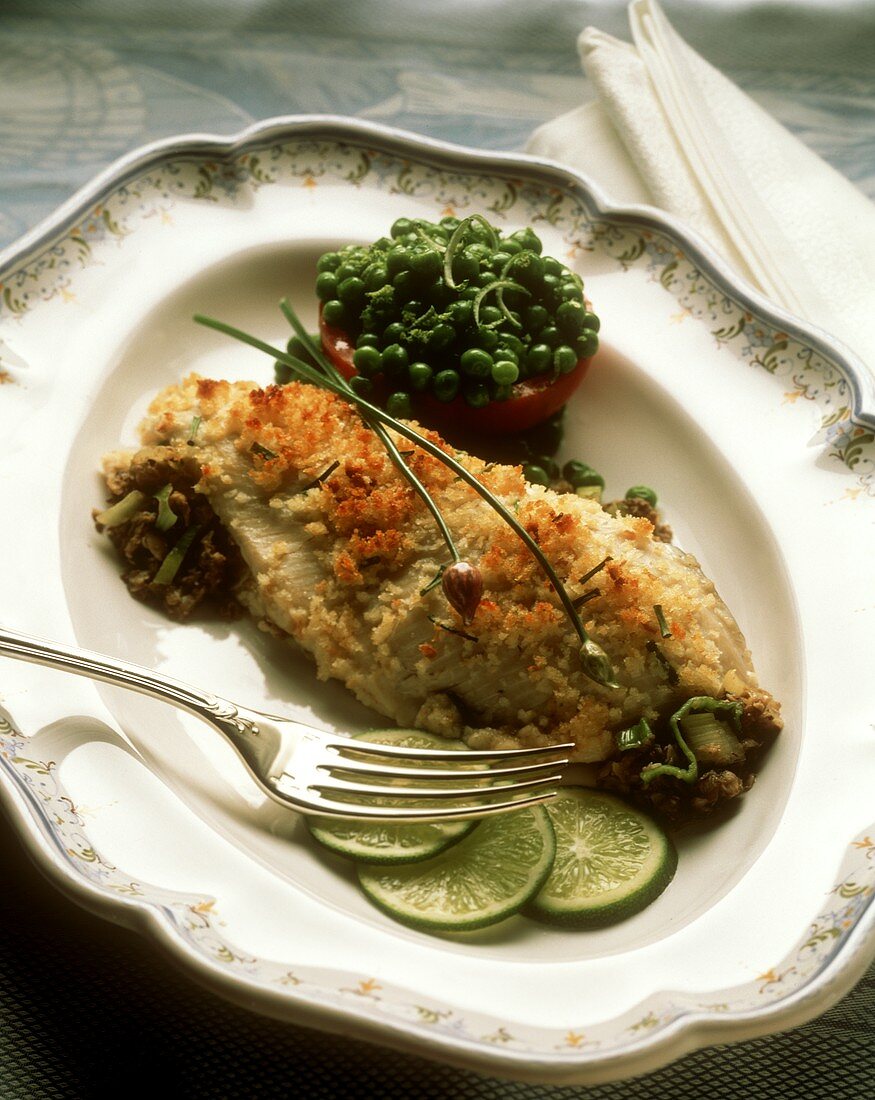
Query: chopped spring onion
[713, 743]
[166, 516]
[264, 452]
[122, 510]
[170, 565]
[697, 705]
[638, 736]
[660, 618]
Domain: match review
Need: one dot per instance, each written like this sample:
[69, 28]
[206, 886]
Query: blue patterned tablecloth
[84, 1009]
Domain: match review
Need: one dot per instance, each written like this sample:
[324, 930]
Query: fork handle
[95, 666]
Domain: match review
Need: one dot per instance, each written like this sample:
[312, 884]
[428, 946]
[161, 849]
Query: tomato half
[531, 402]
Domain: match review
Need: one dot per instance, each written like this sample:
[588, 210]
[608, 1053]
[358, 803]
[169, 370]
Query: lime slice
[612, 860]
[486, 877]
[381, 841]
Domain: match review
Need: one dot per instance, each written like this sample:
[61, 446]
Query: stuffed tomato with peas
[456, 324]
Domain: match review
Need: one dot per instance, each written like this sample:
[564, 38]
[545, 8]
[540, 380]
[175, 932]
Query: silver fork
[305, 768]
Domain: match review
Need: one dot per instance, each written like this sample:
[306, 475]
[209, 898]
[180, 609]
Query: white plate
[757, 433]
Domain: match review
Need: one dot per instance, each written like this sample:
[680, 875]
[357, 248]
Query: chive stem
[593, 658]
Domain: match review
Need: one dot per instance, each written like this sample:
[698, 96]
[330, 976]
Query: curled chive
[455, 243]
[498, 285]
[594, 660]
[697, 705]
[166, 516]
[173, 560]
[122, 510]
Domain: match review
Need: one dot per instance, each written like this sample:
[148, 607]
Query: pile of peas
[510, 313]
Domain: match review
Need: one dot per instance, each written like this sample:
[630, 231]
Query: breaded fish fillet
[338, 550]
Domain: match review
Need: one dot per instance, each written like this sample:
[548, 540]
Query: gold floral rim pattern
[807, 375]
[197, 920]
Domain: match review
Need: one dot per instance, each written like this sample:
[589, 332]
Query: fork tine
[330, 808]
[451, 756]
[423, 794]
[378, 771]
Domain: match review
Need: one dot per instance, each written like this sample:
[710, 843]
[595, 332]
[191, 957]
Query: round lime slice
[382, 842]
[481, 880]
[612, 860]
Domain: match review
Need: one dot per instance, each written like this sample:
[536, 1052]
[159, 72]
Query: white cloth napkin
[668, 129]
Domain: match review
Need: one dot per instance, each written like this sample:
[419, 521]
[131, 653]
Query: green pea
[441, 336]
[553, 267]
[587, 343]
[513, 343]
[420, 375]
[461, 312]
[299, 349]
[476, 394]
[351, 291]
[364, 387]
[528, 239]
[333, 313]
[480, 249]
[578, 474]
[644, 492]
[326, 286]
[446, 385]
[570, 292]
[504, 352]
[505, 373]
[398, 404]
[282, 372]
[449, 222]
[535, 318]
[527, 268]
[569, 318]
[511, 246]
[490, 315]
[406, 286]
[375, 276]
[368, 340]
[346, 271]
[397, 260]
[328, 261]
[393, 332]
[592, 322]
[564, 359]
[426, 264]
[536, 475]
[538, 358]
[499, 259]
[465, 266]
[367, 360]
[550, 465]
[550, 285]
[487, 339]
[550, 336]
[476, 363]
[394, 359]
[401, 226]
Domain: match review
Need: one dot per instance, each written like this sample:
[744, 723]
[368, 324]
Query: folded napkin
[668, 129]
